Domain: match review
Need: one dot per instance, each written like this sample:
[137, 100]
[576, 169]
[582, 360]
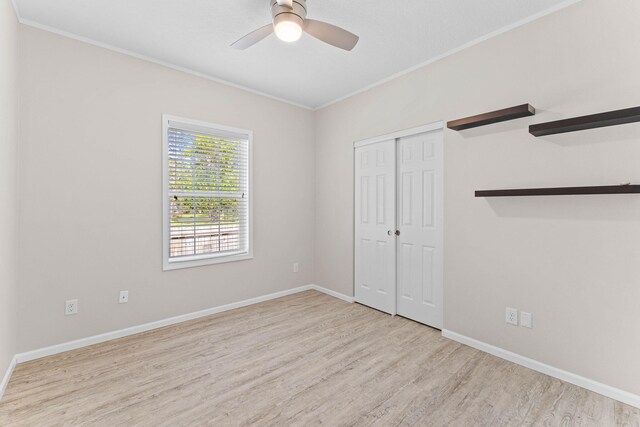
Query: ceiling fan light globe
[288, 28]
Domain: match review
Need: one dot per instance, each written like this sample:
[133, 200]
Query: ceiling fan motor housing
[282, 13]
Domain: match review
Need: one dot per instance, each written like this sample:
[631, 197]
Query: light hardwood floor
[305, 359]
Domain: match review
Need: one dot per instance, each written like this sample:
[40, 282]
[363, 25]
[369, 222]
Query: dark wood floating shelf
[610, 118]
[561, 191]
[516, 112]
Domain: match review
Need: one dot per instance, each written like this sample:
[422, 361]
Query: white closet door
[419, 252]
[375, 209]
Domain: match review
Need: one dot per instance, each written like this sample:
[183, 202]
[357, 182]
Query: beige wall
[8, 170]
[90, 191]
[574, 262]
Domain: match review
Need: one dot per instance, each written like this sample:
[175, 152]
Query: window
[206, 193]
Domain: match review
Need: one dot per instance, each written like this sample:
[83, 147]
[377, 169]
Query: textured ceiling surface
[395, 35]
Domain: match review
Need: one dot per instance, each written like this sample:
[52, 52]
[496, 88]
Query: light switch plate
[526, 319]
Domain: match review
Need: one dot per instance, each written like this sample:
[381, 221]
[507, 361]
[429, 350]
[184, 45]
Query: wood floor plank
[305, 359]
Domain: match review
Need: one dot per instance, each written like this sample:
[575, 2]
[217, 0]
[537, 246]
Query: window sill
[205, 260]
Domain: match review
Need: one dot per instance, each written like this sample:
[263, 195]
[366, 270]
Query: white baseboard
[334, 294]
[83, 342]
[603, 389]
[7, 376]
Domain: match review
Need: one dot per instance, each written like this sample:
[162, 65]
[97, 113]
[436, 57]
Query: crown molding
[170, 65]
[454, 51]
[423, 64]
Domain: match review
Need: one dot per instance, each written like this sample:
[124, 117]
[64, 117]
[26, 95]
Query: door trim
[399, 134]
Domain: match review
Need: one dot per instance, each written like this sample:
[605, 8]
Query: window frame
[204, 259]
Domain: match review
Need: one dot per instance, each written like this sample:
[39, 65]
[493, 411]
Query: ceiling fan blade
[286, 3]
[331, 34]
[253, 37]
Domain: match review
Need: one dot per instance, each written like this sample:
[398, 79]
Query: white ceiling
[395, 35]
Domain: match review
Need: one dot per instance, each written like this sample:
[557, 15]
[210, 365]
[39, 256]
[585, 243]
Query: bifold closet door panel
[420, 251]
[375, 220]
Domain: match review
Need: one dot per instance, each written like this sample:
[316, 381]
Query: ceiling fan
[290, 20]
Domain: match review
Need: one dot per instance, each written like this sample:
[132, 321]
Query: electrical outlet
[511, 316]
[124, 297]
[526, 319]
[70, 307]
[296, 267]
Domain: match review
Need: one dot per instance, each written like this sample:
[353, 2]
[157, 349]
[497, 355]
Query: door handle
[397, 232]
[391, 232]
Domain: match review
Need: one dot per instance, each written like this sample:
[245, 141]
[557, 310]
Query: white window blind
[207, 186]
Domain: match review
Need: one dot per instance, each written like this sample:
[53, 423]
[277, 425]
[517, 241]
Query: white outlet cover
[526, 319]
[70, 307]
[124, 297]
[511, 316]
[296, 267]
